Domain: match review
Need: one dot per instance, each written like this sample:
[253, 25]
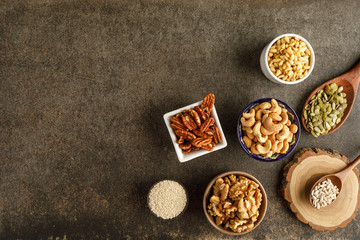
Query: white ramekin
[193, 154]
[265, 66]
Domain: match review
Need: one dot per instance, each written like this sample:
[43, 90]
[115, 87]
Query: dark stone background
[84, 86]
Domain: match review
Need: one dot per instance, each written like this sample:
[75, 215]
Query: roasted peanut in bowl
[268, 129]
[288, 59]
[234, 202]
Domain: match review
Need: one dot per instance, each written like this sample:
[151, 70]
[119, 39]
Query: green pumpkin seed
[334, 86]
[327, 89]
[336, 112]
[314, 133]
[325, 109]
[325, 97]
[318, 123]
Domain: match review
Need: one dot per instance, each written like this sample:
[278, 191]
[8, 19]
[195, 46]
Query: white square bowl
[193, 154]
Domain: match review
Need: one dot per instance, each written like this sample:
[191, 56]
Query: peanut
[289, 58]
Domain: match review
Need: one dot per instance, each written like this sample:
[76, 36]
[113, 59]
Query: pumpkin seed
[325, 97]
[314, 133]
[327, 89]
[325, 109]
[317, 123]
[305, 114]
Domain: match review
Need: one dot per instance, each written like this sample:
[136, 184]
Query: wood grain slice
[307, 166]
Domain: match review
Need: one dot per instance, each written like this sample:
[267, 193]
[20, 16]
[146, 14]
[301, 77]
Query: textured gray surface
[84, 85]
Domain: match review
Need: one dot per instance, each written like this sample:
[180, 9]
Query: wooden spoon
[338, 178]
[350, 82]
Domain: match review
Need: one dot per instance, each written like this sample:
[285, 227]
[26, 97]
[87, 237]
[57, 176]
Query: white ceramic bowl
[193, 154]
[265, 66]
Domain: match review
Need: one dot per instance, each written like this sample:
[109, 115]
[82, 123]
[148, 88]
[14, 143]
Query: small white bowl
[265, 66]
[193, 154]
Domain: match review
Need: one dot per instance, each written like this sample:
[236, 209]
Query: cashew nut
[262, 139]
[290, 137]
[278, 111]
[250, 135]
[284, 118]
[256, 129]
[265, 105]
[288, 123]
[257, 107]
[247, 141]
[275, 108]
[285, 148]
[249, 114]
[273, 146]
[247, 129]
[269, 154]
[272, 138]
[264, 117]
[275, 116]
[264, 149]
[259, 113]
[277, 147]
[253, 149]
[265, 131]
[293, 128]
[283, 134]
[270, 126]
[247, 123]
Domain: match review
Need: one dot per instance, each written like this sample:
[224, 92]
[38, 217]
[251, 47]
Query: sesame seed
[167, 199]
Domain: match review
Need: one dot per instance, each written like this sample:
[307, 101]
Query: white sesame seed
[167, 199]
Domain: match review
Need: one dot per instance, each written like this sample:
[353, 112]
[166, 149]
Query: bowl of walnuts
[268, 129]
[234, 202]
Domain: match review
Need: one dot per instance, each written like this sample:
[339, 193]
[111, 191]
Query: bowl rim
[281, 156]
[312, 58]
[167, 179]
[208, 191]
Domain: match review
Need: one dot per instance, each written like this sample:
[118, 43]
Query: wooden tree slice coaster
[307, 166]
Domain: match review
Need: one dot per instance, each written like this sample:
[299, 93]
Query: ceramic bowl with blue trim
[292, 116]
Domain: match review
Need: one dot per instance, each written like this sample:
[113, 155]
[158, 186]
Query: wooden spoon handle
[348, 169]
[354, 75]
